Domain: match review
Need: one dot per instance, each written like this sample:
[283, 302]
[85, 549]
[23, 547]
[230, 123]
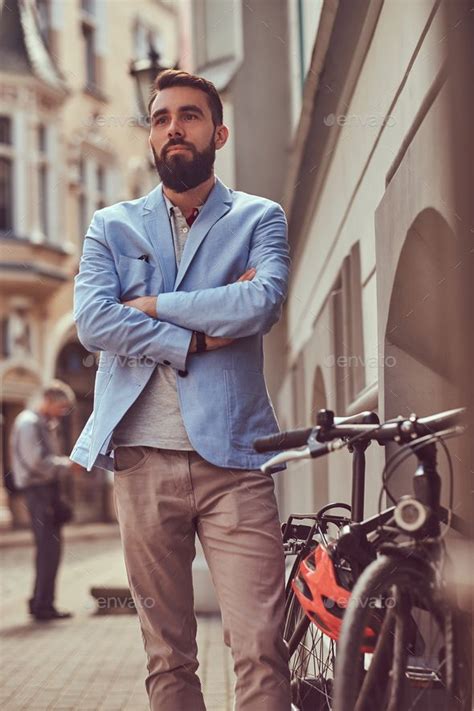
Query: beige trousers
[163, 498]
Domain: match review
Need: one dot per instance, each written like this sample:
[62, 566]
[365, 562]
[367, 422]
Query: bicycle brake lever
[286, 456]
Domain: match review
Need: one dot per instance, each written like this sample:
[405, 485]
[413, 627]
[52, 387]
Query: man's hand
[147, 304]
[248, 275]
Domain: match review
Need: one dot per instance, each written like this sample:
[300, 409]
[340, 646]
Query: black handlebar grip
[441, 421]
[361, 418]
[282, 440]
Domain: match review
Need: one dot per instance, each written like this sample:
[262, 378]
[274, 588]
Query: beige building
[71, 141]
[355, 115]
[380, 215]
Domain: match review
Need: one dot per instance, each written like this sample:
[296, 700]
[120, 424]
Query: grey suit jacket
[34, 454]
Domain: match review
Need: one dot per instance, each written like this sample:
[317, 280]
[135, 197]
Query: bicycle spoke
[312, 670]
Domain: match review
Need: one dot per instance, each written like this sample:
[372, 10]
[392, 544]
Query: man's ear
[221, 136]
[150, 147]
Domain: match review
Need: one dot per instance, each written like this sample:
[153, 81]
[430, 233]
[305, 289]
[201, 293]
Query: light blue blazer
[222, 393]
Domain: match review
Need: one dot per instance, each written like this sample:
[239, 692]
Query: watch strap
[200, 341]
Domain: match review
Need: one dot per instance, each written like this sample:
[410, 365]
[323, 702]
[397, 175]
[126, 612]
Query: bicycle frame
[304, 535]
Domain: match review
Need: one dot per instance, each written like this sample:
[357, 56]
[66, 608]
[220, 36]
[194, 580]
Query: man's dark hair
[58, 390]
[178, 77]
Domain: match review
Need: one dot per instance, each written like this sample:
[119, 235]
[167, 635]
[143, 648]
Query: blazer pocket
[135, 276]
[249, 411]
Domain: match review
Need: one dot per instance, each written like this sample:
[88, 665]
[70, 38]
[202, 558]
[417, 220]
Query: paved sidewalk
[91, 662]
[73, 532]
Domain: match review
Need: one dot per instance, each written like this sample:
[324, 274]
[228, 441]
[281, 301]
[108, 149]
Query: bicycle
[311, 652]
[407, 579]
[369, 537]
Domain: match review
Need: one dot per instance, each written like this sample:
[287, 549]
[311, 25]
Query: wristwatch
[200, 341]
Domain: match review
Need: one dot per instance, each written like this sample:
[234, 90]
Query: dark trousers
[47, 534]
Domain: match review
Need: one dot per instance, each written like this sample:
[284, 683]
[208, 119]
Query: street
[91, 662]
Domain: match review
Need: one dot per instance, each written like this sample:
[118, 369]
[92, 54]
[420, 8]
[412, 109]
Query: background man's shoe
[53, 614]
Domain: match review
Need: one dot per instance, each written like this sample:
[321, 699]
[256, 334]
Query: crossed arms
[244, 308]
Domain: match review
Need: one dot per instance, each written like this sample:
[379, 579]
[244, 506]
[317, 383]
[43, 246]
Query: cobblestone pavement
[91, 662]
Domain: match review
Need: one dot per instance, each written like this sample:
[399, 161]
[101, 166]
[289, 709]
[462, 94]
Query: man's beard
[178, 172]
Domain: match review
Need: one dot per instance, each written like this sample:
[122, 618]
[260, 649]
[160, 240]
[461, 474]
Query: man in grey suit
[37, 468]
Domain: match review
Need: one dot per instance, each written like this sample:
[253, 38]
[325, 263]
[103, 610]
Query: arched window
[346, 302]
[6, 194]
[6, 175]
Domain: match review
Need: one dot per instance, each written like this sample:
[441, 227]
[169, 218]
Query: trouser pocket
[127, 458]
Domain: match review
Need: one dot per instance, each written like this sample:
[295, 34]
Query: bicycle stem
[358, 480]
[427, 485]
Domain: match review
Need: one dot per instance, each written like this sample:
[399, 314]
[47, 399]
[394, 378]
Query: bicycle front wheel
[421, 658]
[312, 656]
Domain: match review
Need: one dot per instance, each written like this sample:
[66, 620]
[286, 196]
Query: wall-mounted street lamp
[144, 71]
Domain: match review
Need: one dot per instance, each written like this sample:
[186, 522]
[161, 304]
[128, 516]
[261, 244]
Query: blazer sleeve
[104, 324]
[243, 308]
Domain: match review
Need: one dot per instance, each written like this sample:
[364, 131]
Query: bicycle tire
[311, 655]
[410, 579]
[296, 623]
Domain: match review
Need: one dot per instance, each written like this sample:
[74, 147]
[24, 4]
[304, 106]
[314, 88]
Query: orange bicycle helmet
[323, 588]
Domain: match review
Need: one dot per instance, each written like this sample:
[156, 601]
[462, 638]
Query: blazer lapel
[217, 204]
[158, 230]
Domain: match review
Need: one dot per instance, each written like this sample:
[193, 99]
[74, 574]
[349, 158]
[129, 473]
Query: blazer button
[166, 362]
[182, 373]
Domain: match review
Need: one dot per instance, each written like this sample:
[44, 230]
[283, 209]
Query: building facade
[71, 141]
[380, 225]
[353, 114]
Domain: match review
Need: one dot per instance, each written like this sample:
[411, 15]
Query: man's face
[57, 408]
[183, 137]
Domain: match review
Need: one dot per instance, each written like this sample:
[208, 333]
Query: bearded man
[176, 290]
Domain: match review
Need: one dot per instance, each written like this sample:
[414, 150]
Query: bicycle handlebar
[288, 439]
[306, 453]
[400, 430]
[291, 439]
[403, 429]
